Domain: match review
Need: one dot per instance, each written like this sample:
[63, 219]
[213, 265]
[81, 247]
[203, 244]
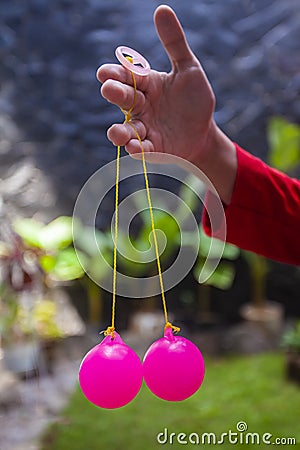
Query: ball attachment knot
[173, 327]
[110, 331]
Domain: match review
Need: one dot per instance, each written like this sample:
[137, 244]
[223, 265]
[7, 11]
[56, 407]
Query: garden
[236, 389]
[68, 281]
[252, 363]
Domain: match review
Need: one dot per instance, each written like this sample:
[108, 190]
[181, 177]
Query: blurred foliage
[44, 318]
[50, 247]
[259, 268]
[210, 249]
[136, 252]
[291, 338]
[9, 324]
[33, 256]
[284, 144]
[17, 322]
[94, 249]
[284, 155]
[223, 276]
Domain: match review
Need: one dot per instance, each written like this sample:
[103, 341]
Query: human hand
[173, 112]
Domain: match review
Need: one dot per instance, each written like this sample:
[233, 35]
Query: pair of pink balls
[111, 373]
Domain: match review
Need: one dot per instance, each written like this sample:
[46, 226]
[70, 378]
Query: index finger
[113, 72]
[119, 73]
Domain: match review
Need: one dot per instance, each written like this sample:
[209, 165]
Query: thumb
[173, 38]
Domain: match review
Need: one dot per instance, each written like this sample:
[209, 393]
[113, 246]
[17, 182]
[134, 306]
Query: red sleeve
[264, 213]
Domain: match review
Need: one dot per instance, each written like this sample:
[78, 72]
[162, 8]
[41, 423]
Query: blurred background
[53, 125]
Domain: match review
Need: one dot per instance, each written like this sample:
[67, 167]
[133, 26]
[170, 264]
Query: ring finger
[121, 134]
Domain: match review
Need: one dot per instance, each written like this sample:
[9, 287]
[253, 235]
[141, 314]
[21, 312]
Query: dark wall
[50, 51]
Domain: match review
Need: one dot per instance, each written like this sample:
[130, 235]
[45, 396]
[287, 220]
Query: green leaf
[231, 252]
[67, 266]
[57, 234]
[167, 226]
[190, 193]
[188, 239]
[137, 251]
[291, 338]
[216, 248]
[54, 236]
[221, 278]
[90, 240]
[134, 258]
[47, 263]
[29, 230]
[100, 267]
[141, 204]
[284, 140]
[210, 246]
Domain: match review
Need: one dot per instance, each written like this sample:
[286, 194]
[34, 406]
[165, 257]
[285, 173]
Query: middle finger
[123, 96]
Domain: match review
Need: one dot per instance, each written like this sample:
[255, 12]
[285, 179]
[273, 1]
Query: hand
[173, 112]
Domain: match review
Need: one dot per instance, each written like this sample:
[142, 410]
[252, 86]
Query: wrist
[219, 162]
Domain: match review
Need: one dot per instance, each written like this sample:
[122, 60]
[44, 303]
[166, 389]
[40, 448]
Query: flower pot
[269, 315]
[22, 357]
[293, 366]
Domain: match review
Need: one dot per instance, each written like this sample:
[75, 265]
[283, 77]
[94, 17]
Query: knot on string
[127, 115]
[169, 325]
[110, 331]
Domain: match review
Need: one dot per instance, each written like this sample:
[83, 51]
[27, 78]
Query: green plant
[284, 154]
[171, 236]
[284, 144]
[10, 327]
[18, 322]
[33, 256]
[220, 276]
[210, 250]
[291, 338]
[49, 247]
[223, 275]
[94, 249]
[259, 267]
[43, 318]
[170, 226]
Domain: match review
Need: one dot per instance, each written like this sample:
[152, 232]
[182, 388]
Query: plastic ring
[139, 66]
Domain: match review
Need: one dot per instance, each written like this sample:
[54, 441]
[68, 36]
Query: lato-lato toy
[111, 373]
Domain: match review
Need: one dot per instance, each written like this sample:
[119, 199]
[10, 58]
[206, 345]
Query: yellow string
[111, 330]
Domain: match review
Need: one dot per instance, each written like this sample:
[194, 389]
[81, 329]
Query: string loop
[110, 330]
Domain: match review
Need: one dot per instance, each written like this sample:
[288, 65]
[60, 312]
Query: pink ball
[173, 367]
[111, 373]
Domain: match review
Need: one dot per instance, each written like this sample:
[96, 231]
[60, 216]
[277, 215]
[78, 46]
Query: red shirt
[264, 213]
